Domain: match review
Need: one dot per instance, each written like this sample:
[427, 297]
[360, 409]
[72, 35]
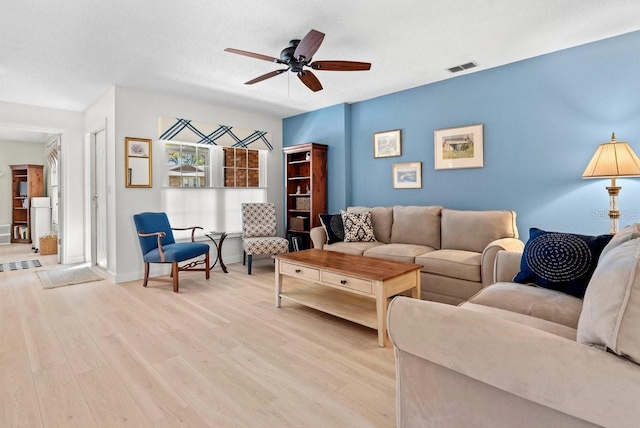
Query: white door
[99, 199]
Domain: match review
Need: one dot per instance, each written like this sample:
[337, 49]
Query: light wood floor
[216, 354]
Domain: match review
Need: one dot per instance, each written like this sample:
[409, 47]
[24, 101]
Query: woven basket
[299, 223]
[49, 244]
[303, 203]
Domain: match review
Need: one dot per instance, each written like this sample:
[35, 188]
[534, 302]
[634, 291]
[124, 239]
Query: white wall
[137, 115]
[15, 153]
[69, 124]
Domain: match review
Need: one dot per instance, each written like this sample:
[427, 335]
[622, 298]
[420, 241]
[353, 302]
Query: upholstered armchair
[259, 232]
[158, 246]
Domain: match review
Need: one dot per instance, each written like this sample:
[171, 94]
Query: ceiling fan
[297, 56]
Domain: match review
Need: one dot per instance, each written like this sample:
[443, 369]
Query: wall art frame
[387, 144]
[138, 162]
[407, 175]
[459, 147]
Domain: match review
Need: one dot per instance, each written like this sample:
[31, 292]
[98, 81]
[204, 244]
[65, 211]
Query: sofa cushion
[560, 261]
[351, 247]
[474, 230]
[534, 301]
[398, 252]
[611, 313]
[381, 218]
[537, 323]
[626, 234]
[357, 227]
[416, 225]
[333, 227]
[452, 263]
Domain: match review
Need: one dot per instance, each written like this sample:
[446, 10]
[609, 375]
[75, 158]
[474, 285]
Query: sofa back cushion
[474, 230]
[611, 311]
[381, 218]
[626, 234]
[416, 225]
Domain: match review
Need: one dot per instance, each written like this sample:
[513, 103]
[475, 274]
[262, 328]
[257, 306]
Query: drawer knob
[298, 271]
[343, 282]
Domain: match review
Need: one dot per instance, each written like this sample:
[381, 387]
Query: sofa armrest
[540, 367]
[489, 256]
[318, 237]
[507, 266]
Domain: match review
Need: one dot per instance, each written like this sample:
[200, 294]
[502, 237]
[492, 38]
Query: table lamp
[613, 159]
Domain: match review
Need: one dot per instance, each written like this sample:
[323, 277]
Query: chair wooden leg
[146, 275]
[206, 265]
[249, 259]
[174, 273]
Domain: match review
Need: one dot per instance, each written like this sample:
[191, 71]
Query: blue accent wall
[543, 120]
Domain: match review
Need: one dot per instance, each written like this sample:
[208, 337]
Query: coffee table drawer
[300, 271]
[347, 281]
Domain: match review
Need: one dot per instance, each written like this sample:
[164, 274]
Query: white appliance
[40, 220]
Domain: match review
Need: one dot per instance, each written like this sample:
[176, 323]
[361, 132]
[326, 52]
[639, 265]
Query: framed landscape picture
[387, 144]
[460, 147]
[407, 175]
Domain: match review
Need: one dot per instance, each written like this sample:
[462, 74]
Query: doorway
[98, 162]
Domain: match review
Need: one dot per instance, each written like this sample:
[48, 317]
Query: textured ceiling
[67, 54]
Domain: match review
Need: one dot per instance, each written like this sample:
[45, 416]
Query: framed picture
[407, 175]
[138, 147]
[460, 147]
[387, 144]
[137, 162]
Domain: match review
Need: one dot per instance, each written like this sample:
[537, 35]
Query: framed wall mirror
[137, 157]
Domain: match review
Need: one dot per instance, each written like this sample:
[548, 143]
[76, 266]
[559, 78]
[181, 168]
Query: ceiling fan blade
[310, 79]
[266, 76]
[340, 65]
[309, 45]
[255, 55]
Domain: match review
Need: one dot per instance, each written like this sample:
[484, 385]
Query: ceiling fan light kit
[297, 56]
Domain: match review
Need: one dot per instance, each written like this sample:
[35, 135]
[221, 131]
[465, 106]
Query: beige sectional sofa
[456, 248]
[519, 355]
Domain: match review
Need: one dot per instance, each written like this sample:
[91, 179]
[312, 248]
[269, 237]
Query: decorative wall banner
[188, 131]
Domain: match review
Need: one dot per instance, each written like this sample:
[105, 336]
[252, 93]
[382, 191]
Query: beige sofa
[519, 355]
[456, 249]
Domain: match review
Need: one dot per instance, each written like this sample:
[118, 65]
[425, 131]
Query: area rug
[70, 276]
[25, 264]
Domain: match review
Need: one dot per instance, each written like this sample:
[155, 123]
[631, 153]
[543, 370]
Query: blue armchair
[158, 246]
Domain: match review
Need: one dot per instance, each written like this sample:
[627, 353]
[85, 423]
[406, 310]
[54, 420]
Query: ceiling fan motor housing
[287, 56]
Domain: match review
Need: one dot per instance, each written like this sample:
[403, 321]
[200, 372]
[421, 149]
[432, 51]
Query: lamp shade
[613, 159]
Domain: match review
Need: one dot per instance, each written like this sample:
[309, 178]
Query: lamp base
[614, 214]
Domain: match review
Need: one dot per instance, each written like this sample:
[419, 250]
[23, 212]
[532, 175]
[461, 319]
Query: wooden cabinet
[27, 181]
[305, 188]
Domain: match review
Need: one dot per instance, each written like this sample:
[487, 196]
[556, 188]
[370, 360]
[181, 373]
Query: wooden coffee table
[346, 285]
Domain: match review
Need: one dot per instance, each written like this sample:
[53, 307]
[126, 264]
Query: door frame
[90, 139]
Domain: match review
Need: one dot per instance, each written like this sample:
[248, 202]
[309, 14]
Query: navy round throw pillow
[333, 226]
[560, 261]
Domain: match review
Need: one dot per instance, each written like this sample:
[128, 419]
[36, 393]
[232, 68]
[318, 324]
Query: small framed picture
[387, 144]
[459, 147]
[138, 147]
[407, 175]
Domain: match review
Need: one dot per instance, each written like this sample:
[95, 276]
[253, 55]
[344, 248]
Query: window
[205, 185]
[187, 165]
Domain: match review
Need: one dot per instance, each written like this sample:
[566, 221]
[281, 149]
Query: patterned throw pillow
[333, 226]
[357, 227]
[560, 261]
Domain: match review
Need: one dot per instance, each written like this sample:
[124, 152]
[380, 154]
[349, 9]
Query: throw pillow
[560, 261]
[333, 227]
[357, 227]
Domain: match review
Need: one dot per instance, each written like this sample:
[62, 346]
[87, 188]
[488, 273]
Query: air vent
[462, 67]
